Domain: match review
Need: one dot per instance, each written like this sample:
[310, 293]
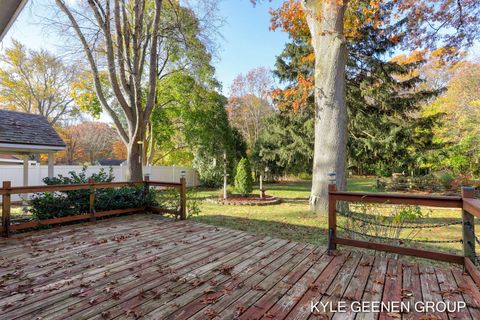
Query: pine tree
[385, 132]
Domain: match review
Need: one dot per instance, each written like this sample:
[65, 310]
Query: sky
[245, 41]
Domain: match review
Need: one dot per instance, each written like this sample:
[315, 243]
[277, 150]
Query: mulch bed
[251, 200]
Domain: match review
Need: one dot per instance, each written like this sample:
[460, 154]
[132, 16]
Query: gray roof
[110, 162]
[25, 128]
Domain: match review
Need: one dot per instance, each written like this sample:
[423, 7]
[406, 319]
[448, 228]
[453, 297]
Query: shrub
[230, 190]
[243, 177]
[59, 204]
[445, 178]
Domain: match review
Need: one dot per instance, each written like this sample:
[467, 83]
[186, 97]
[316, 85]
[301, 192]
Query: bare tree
[249, 102]
[130, 46]
[124, 37]
[96, 140]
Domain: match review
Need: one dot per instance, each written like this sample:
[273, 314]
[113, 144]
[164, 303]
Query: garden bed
[250, 200]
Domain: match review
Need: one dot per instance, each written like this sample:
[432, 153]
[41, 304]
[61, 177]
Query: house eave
[9, 11]
[28, 148]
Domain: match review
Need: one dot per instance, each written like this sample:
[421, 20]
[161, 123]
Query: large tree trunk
[325, 20]
[134, 165]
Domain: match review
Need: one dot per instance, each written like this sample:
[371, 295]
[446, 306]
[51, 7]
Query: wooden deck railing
[470, 209]
[7, 190]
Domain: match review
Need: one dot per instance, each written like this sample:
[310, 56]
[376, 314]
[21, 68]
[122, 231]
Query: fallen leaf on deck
[240, 309]
[116, 294]
[394, 315]
[209, 290]
[210, 312]
[209, 300]
[225, 269]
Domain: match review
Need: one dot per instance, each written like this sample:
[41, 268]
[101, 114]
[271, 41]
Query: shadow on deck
[145, 266]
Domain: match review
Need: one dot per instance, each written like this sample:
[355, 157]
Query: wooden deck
[144, 266]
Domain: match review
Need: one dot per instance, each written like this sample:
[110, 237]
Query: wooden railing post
[183, 197]
[146, 188]
[6, 202]
[468, 227]
[332, 219]
[91, 200]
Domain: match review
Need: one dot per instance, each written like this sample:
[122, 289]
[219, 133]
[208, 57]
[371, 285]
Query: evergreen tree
[243, 177]
[385, 132]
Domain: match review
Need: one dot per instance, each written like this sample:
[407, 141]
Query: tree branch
[93, 66]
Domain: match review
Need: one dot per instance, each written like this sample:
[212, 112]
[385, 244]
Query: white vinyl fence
[14, 173]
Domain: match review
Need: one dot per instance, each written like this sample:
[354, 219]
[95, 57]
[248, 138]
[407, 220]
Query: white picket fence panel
[36, 173]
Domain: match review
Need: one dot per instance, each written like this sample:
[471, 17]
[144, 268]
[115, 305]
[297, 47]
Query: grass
[293, 220]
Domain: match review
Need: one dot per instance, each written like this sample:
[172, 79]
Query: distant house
[8, 159]
[25, 134]
[111, 162]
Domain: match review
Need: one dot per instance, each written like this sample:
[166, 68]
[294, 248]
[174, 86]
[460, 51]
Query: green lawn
[293, 220]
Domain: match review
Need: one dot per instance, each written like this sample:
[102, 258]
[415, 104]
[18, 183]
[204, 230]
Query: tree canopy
[36, 81]
[140, 43]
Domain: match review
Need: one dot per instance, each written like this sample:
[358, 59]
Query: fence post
[332, 214]
[6, 208]
[468, 227]
[91, 200]
[183, 196]
[146, 188]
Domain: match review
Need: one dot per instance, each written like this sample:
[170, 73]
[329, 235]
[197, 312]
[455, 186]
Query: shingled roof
[27, 129]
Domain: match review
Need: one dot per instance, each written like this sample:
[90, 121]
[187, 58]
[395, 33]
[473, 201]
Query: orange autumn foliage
[119, 150]
[290, 17]
[420, 28]
[296, 96]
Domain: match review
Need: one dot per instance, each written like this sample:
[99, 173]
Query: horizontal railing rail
[407, 199]
[7, 190]
[470, 209]
[68, 187]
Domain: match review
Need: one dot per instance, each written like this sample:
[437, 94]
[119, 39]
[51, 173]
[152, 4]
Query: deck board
[146, 266]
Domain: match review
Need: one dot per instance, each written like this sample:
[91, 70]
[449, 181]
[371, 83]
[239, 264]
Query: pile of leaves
[49, 205]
